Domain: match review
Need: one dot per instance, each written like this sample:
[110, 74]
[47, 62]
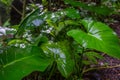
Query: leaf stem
[81, 64]
[52, 71]
[16, 9]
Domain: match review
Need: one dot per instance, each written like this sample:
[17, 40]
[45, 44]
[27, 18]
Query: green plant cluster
[61, 41]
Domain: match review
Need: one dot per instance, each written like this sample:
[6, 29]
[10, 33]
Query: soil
[110, 71]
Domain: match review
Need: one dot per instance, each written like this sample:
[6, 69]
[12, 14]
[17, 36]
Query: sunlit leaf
[97, 36]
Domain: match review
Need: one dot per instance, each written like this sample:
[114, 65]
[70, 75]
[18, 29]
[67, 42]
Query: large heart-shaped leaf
[15, 63]
[61, 53]
[97, 36]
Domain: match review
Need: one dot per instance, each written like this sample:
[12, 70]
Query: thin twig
[24, 9]
[16, 9]
[103, 67]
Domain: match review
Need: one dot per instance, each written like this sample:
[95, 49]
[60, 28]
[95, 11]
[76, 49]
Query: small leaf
[71, 22]
[40, 40]
[72, 13]
[93, 57]
[86, 62]
[14, 41]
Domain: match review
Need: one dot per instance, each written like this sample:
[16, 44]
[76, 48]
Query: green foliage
[101, 10]
[72, 13]
[92, 58]
[58, 42]
[97, 36]
[15, 63]
[7, 2]
[60, 52]
[27, 23]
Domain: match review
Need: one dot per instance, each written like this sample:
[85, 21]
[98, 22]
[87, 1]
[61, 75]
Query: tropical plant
[61, 41]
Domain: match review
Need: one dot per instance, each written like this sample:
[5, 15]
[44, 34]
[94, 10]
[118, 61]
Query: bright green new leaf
[97, 36]
[61, 54]
[15, 63]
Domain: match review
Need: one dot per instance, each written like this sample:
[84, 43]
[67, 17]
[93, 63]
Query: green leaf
[15, 63]
[71, 22]
[93, 57]
[7, 2]
[72, 13]
[14, 41]
[61, 54]
[61, 25]
[101, 10]
[40, 40]
[34, 19]
[97, 36]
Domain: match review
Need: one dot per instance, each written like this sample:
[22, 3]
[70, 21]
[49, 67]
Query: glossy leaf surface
[15, 63]
[34, 19]
[97, 36]
[61, 54]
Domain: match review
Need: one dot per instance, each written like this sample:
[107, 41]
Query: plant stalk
[16, 9]
[52, 71]
[81, 65]
[103, 67]
[24, 9]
